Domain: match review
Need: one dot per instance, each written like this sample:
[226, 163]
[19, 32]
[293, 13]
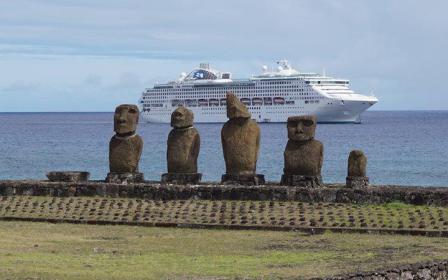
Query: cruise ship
[272, 96]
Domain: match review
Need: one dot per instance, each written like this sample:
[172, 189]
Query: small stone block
[124, 178]
[181, 178]
[68, 176]
[302, 181]
[357, 182]
[252, 180]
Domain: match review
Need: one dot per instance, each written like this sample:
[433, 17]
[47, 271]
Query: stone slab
[68, 176]
[250, 180]
[124, 178]
[181, 178]
[357, 182]
[302, 181]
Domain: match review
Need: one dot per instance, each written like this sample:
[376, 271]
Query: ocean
[402, 147]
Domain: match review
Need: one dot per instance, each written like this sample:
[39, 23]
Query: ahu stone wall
[430, 196]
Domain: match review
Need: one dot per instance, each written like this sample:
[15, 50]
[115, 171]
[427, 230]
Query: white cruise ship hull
[349, 112]
[270, 97]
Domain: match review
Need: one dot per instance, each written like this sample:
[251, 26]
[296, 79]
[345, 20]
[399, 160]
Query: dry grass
[68, 251]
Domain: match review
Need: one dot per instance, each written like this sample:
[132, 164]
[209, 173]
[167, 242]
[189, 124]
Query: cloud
[396, 48]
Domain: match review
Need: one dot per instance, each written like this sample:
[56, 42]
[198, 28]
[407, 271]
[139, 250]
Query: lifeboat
[223, 102]
[279, 100]
[213, 102]
[191, 102]
[176, 102]
[245, 101]
[203, 102]
[257, 101]
[267, 100]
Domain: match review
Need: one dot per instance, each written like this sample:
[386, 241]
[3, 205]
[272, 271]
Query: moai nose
[299, 128]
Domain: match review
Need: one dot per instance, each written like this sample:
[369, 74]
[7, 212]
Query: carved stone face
[126, 118]
[235, 108]
[301, 128]
[182, 117]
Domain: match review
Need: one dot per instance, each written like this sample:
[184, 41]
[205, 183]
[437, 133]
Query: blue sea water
[407, 148]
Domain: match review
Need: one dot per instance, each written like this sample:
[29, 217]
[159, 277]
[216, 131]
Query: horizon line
[81, 112]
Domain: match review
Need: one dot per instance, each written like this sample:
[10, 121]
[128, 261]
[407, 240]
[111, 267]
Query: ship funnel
[284, 64]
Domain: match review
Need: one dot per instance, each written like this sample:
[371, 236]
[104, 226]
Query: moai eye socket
[132, 111]
[291, 124]
[308, 123]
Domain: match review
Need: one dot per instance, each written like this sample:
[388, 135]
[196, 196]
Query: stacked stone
[183, 149]
[303, 154]
[125, 147]
[240, 138]
[68, 176]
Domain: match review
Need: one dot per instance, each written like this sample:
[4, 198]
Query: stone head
[301, 128]
[126, 118]
[357, 163]
[356, 155]
[181, 118]
[235, 108]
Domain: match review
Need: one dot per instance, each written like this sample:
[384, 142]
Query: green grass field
[68, 251]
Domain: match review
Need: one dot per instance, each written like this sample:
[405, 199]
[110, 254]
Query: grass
[70, 251]
[268, 214]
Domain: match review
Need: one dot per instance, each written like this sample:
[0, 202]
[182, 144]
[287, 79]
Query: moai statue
[183, 149]
[303, 154]
[240, 137]
[356, 175]
[125, 147]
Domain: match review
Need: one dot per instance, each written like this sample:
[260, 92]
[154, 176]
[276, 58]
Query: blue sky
[84, 55]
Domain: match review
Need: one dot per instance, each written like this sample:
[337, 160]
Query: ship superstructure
[272, 96]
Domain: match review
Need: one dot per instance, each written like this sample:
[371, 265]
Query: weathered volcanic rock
[303, 155]
[356, 174]
[183, 149]
[240, 137]
[125, 147]
[68, 176]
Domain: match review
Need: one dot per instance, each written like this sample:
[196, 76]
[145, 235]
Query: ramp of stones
[275, 215]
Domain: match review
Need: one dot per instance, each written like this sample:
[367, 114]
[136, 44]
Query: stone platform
[334, 193]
